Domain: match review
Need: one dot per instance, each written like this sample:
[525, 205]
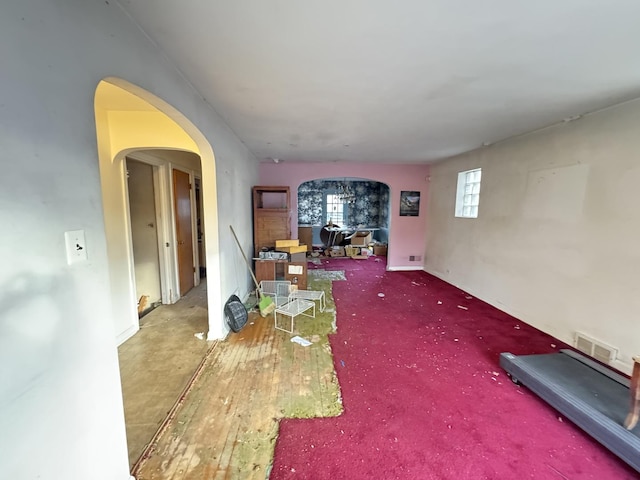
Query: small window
[468, 193]
[335, 209]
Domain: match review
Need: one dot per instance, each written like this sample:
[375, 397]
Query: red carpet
[424, 396]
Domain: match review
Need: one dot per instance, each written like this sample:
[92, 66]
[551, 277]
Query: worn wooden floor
[227, 425]
[157, 363]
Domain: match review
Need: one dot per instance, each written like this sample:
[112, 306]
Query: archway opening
[354, 205]
[137, 129]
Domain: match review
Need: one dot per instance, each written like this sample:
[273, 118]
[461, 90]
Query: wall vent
[600, 351]
[415, 258]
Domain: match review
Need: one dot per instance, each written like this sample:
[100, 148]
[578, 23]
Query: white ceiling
[400, 81]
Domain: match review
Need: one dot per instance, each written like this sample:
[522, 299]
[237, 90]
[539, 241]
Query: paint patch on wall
[556, 193]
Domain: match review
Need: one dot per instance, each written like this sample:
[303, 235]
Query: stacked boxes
[290, 246]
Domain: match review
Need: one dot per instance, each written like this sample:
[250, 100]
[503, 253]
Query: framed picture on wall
[409, 203]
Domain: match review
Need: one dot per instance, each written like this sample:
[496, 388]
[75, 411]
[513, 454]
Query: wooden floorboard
[157, 363]
[227, 426]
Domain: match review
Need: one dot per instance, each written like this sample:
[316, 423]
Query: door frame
[165, 221]
[158, 215]
[197, 181]
[194, 238]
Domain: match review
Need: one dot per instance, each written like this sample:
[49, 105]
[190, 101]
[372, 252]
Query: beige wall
[556, 241]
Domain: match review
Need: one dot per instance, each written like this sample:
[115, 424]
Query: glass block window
[468, 193]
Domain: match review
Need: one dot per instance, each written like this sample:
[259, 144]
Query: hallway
[157, 363]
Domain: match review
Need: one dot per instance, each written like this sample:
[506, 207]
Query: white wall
[60, 399]
[556, 241]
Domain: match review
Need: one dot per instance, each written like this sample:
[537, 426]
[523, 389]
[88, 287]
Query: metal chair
[278, 290]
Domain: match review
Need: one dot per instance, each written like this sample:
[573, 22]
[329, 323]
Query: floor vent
[598, 350]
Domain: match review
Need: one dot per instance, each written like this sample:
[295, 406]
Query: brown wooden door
[184, 231]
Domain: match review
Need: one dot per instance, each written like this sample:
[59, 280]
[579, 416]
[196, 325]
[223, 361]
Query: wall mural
[371, 207]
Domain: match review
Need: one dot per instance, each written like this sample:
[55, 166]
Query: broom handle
[255, 280]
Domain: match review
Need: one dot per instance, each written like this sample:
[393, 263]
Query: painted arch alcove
[370, 207]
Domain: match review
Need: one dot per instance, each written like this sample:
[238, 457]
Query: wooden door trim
[190, 178]
[164, 220]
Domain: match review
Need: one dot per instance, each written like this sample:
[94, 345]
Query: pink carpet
[424, 396]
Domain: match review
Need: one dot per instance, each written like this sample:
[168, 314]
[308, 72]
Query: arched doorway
[323, 200]
[139, 134]
[129, 119]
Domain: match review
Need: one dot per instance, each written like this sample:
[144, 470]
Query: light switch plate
[76, 246]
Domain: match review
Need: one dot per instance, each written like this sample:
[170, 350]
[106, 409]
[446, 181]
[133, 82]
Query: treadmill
[592, 396]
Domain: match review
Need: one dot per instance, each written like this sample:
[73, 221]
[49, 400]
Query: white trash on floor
[300, 341]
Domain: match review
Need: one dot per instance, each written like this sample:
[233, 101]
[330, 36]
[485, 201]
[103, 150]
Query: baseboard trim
[622, 366]
[127, 334]
[439, 275]
[618, 364]
[405, 269]
[212, 337]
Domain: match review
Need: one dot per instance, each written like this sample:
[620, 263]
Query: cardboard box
[298, 257]
[296, 249]
[337, 252]
[287, 243]
[380, 250]
[351, 250]
[361, 239]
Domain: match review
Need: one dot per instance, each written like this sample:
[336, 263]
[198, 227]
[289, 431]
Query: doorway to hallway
[144, 220]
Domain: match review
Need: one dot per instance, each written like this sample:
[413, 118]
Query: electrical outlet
[76, 246]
